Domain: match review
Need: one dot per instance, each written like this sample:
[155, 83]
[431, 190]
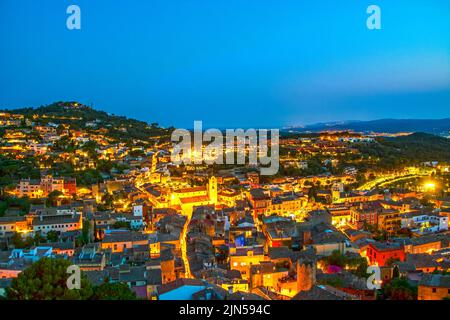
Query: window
[434, 290]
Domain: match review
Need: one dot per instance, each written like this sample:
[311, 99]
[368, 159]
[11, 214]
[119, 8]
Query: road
[183, 245]
[391, 178]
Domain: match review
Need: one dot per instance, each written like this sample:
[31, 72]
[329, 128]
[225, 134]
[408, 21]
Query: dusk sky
[230, 63]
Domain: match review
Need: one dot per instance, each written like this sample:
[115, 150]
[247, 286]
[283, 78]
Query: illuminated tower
[212, 189]
[154, 162]
[306, 274]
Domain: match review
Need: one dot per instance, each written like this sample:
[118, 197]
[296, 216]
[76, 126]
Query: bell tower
[154, 162]
[212, 189]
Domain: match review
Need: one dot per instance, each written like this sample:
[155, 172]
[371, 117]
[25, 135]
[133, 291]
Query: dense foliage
[47, 280]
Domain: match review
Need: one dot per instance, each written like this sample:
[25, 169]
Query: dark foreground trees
[46, 279]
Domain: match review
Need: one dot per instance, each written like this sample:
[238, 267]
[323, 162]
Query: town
[86, 188]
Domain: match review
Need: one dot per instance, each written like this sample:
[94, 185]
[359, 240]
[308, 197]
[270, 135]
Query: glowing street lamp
[429, 186]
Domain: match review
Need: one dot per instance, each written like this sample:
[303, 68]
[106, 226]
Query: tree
[38, 238]
[46, 279]
[336, 259]
[396, 272]
[108, 200]
[51, 198]
[113, 291]
[391, 261]
[52, 236]
[361, 270]
[121, 225]
[398, 289]
[17, 241]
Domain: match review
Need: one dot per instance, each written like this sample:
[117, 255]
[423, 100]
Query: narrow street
[183, 245]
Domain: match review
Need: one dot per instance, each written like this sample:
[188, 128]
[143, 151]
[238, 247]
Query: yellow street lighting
[429, 186]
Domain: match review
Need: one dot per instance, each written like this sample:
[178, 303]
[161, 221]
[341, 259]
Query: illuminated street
[183, 247]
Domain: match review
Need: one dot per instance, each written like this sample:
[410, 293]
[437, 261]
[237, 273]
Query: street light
[429, 186]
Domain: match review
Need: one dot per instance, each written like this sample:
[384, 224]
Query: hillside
[84, 117]
[411, 149]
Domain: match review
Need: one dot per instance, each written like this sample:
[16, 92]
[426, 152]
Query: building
[188, 198]
[70, 186]
[181, 289]
[365, 213]
[425, 244]
[287, 204]
[279, 231]
[259, 201]
[20, 259]
[424, 222]
[389, 220]
[56, 219]
[340, 215]
[13, 224]
[379, 253]
[324, 239]
[266, 274]
[241, 258]
[29, 188]
[50, 184]
[434, 287]
[90, 258]
[120, 240]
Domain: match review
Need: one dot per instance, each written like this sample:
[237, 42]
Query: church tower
[212, 190]
[154, 162]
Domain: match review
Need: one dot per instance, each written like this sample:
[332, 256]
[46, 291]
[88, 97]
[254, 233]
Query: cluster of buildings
[42, 188]
[186, 232]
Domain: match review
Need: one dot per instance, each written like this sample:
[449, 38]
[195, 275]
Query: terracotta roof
[192, 189]
[194, 199]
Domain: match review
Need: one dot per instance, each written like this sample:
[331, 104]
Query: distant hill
[440, 126]
[78, 115]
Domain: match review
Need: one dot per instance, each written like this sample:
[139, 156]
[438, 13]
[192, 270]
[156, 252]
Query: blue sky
[230, 63]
